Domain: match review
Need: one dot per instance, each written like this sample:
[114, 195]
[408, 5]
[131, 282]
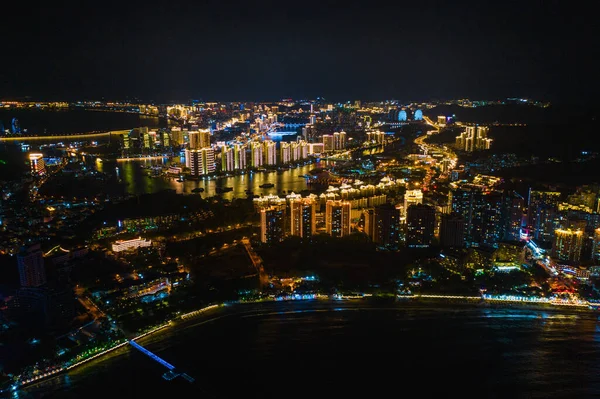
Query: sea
[347, 349]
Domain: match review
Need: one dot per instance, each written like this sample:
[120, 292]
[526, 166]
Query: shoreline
[218, 311]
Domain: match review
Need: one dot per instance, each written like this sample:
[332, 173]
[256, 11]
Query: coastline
[218, 311]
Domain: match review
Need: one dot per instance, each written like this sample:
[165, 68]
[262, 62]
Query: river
[355, 350]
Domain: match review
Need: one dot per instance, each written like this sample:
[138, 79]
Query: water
[41, 122]
[136, 180]
[303, 350]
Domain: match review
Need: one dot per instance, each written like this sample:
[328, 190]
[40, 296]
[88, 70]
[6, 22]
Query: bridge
[169, 375]
[75, 136]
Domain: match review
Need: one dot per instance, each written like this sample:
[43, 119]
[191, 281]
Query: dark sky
[222, 50]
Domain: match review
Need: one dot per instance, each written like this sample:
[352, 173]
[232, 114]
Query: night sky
[252, 51]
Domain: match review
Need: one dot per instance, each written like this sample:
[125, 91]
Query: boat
[198, 190]
[223, 189]
[267, 185]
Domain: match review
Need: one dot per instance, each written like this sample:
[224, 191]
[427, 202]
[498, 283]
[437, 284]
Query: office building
[452, 231]
[387, 226]
[272, 224]
[30, 262]
[474, 138]
[420, 226]
[337, 218]
[303, 213]
[38, 166]
[567, 245]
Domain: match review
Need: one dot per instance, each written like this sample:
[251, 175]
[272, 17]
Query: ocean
[354, 350]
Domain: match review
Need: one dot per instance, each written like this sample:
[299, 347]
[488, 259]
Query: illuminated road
[256, 261]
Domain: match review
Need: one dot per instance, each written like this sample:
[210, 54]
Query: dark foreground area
[354, 349]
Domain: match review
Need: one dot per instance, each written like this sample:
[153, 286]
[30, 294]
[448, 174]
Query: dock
[169, 375]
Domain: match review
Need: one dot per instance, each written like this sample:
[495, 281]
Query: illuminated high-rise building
[328, 143]
[376, 137]
[303, 213]
[337, 218]
[204, 138]
[541, 214]
[256, 149]
[239, 152]
[369, 218]
[177, 135]
[596, 246]
[441, 121]
[303, 149]
[386, 231]
[227, 159]
[512, 216]
[272, 224]
[339, 140]
[38, 166]
[270, 152]
[412, 197]
[418, 115]
[31, 267]
[200, 161]
[316, 148]
[567, 245]
[420, 226]
[474, 138]
[285, 152]
[165, 138]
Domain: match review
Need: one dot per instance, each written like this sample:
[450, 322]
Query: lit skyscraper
[285, 152]
[200, 161]
[412, 197]
[303, 217]
[272, 224]
[328, 143]
[38, 166]
[567, 245]
[270, 152]
[257, 154]
[337, 218]
[227, 159]
[239, 156]
[474, 138]
[541, 212]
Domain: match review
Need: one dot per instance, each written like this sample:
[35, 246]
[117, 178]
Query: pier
[169, 375]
